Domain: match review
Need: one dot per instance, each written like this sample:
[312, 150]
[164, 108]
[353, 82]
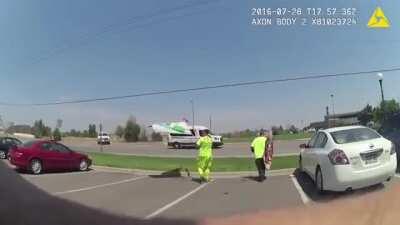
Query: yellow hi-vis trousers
[204, 166]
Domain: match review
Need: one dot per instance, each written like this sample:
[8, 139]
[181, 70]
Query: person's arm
[252, 146]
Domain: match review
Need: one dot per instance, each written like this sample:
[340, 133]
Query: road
[147, 197]
[159, 149]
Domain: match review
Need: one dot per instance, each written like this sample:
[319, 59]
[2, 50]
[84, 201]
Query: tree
[57, 134]
[40, 130]
[387, 114]
[143, 135]
[92, 130]
[119, 131]
[156, 136]
[132, 130]
[59, 123]
[366, 115]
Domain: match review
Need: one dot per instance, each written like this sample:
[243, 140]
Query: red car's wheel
[83, 165]
[36, 166]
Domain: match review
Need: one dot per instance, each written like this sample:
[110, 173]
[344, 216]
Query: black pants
[261, 168]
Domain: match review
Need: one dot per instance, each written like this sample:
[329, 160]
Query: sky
[67, 50]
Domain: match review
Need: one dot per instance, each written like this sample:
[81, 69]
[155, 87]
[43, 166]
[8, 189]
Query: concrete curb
[281, 172]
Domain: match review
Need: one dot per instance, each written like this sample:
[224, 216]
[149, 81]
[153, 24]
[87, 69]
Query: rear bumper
[341, 178]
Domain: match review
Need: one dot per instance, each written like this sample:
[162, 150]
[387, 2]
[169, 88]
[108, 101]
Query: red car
[39, 155]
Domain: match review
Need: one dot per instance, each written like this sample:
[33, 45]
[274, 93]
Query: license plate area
[371, 157]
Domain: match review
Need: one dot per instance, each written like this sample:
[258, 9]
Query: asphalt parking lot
[159, 149]
[184, 197]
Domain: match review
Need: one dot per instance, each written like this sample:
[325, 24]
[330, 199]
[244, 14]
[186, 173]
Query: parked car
[103, 139]
[39, 155]
[5, 145]
[346, 158]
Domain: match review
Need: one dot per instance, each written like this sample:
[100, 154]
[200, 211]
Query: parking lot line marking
[99, 186]
[169, 205]
[303, 195]
[60, 174]
[397, 175]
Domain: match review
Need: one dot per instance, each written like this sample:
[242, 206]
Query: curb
[280, 172]
[187, 156]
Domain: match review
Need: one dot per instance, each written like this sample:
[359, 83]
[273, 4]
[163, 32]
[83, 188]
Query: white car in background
[103, 139]
[347, 158]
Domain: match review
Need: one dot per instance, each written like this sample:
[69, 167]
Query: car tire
[3, 154]
[319, 180]
[83, 165]
[36, 166]
[177, 145]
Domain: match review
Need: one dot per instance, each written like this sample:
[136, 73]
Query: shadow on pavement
[178, 172]
[307, 184]
[254, 178]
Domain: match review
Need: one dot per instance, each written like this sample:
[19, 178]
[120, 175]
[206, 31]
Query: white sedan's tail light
[393, 149]
[338, 157]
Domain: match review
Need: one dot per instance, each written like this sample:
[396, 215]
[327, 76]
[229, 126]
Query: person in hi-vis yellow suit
[204, 160]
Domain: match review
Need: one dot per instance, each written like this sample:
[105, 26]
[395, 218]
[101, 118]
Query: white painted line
[397, 175]
[98, 186]
[162, 209]
[60, 174]
[303, 195]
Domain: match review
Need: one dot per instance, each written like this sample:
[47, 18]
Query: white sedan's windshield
[353, 135]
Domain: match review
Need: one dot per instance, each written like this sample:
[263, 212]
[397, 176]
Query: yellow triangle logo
[378, 19]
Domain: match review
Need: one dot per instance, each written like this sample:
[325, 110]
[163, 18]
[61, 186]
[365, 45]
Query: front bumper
[344, 177]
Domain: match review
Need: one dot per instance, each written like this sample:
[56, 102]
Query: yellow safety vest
[205, 146]
[258, 145]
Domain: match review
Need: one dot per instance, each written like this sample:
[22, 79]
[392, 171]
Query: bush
[132, 131]
[156, 136]
[57, 135]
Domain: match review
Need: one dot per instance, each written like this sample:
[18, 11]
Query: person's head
[262, 133]
[203, 132]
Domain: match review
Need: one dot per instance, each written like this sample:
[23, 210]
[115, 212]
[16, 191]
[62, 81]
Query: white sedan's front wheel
[319, 180]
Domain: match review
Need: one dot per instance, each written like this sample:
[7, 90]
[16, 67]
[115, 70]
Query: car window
[16, 142]
[28, 144]
[353, 135]
[311, 143]
[46, 146]
[59, 148]
[321, 141]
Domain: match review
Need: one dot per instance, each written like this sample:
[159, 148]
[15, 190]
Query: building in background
[336, 120]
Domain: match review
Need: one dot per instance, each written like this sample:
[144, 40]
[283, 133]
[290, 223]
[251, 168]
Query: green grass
[168, 164]
[276, 137]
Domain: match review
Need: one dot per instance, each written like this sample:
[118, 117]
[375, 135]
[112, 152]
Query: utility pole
[327, 117]
[191, 101]
[210, 122]
[333, 110]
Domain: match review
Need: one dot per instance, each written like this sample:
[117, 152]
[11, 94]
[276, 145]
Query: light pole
[191, 102]
[333, 109]
[380, 75]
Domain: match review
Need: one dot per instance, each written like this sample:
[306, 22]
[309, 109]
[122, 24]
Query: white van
[177, 140]
[180, 134]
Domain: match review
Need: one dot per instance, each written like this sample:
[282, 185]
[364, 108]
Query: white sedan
[347, 158]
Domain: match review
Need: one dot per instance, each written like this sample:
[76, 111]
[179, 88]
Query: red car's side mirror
[304, 146]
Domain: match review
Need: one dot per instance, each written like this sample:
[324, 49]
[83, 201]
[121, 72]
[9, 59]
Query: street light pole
[333, 109]
[191, 101]
[380, 75]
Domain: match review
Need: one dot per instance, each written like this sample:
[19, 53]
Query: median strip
[178, 165]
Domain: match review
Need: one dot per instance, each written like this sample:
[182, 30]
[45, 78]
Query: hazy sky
[65, 50]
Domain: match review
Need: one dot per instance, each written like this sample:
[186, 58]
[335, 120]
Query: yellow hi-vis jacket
[205, 146]
[259, 144]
